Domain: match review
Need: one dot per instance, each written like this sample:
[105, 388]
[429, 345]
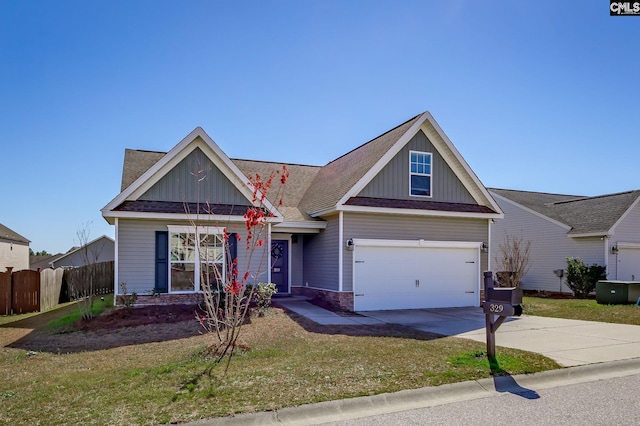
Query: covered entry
[415, 274]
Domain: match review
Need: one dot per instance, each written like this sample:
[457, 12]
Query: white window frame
[198, 231]
[430, 174]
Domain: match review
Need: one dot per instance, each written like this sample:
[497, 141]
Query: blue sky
[536, 95]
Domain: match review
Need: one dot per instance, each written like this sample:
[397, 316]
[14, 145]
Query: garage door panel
[415, 277]
[629, 264]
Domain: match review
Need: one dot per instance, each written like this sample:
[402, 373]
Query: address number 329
[496, 308]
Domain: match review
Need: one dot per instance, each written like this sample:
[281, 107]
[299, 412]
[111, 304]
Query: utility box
[610, 292]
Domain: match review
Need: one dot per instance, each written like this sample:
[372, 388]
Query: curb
[352, 408]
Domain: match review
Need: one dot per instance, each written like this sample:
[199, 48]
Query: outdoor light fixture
[484, 247]
[614, 249]
[350, 244]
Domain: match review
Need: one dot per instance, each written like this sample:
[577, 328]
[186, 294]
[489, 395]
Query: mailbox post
[503, 302]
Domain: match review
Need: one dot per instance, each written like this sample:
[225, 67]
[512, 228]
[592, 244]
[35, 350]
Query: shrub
[262, 296]
[126, 299]
[582, 279]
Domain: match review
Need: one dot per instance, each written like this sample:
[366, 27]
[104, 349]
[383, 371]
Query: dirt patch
[144, 315]
[115, 328]
[159, 323]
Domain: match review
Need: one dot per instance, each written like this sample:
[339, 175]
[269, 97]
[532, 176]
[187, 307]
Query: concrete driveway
[568, 342]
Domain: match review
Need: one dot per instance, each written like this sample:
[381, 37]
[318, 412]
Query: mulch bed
[144, 315]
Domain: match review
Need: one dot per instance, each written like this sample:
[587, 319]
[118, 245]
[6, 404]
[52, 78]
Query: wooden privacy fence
[19, 292]
[78, 280]
[5, 293]
[31, 291]
[50, 286]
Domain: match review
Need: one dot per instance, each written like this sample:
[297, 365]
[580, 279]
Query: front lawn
[292, 362]
[581, 309]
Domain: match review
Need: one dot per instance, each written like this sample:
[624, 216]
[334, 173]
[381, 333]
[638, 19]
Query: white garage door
[415, 274]
[628, 262]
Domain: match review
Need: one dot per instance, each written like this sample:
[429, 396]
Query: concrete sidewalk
[568, 342]
[301, 306]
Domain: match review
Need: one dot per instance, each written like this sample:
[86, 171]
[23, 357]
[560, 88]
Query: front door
[280, 265]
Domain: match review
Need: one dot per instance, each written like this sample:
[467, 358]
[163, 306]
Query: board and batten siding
[397, 227]
[320, 263]
[182, 184]
[550, 246]
[627, 231]
[393, 180]
[136, 252]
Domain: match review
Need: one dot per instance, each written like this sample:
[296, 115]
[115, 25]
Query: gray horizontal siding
[99, 251]
[393, 179]
[320, 263]
[371, 226]
[550, 246]
[183, 184]
[136, 252]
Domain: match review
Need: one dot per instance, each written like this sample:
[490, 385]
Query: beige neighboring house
[100, 250]
[14, 250]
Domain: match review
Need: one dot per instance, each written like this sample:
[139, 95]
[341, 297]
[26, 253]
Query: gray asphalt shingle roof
[585, 215]
[136, 162]
[309, 189]
[8, 234]
[336, 178]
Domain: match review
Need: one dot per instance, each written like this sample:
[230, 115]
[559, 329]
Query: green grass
[581, 309]
[291, 362]
[98, 307]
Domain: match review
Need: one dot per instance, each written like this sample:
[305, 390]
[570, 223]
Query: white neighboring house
[604, 229]
[102, 249]
[14, 250]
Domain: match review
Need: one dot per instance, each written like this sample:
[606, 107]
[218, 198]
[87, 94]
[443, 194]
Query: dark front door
[280, 265]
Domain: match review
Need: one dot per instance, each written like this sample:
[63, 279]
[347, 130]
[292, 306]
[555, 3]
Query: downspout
[489, 245]
[116, 289]
[340, 249]
[269, 252]
[606, 254]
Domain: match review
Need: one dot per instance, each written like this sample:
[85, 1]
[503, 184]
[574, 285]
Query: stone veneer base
[167, 299]
[337, 300]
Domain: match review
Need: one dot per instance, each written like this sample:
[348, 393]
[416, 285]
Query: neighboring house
[398, 222]
[14, 250]
[102, 249]
[42, 262]
[604, 230]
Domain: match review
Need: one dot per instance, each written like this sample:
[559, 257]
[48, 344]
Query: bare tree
[229, 288]
[82, 279]
[512, 261]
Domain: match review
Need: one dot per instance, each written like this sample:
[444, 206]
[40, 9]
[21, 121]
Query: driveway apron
[568, 342]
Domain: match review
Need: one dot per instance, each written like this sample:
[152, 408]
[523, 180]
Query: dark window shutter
[162, 262]
[233, 246]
